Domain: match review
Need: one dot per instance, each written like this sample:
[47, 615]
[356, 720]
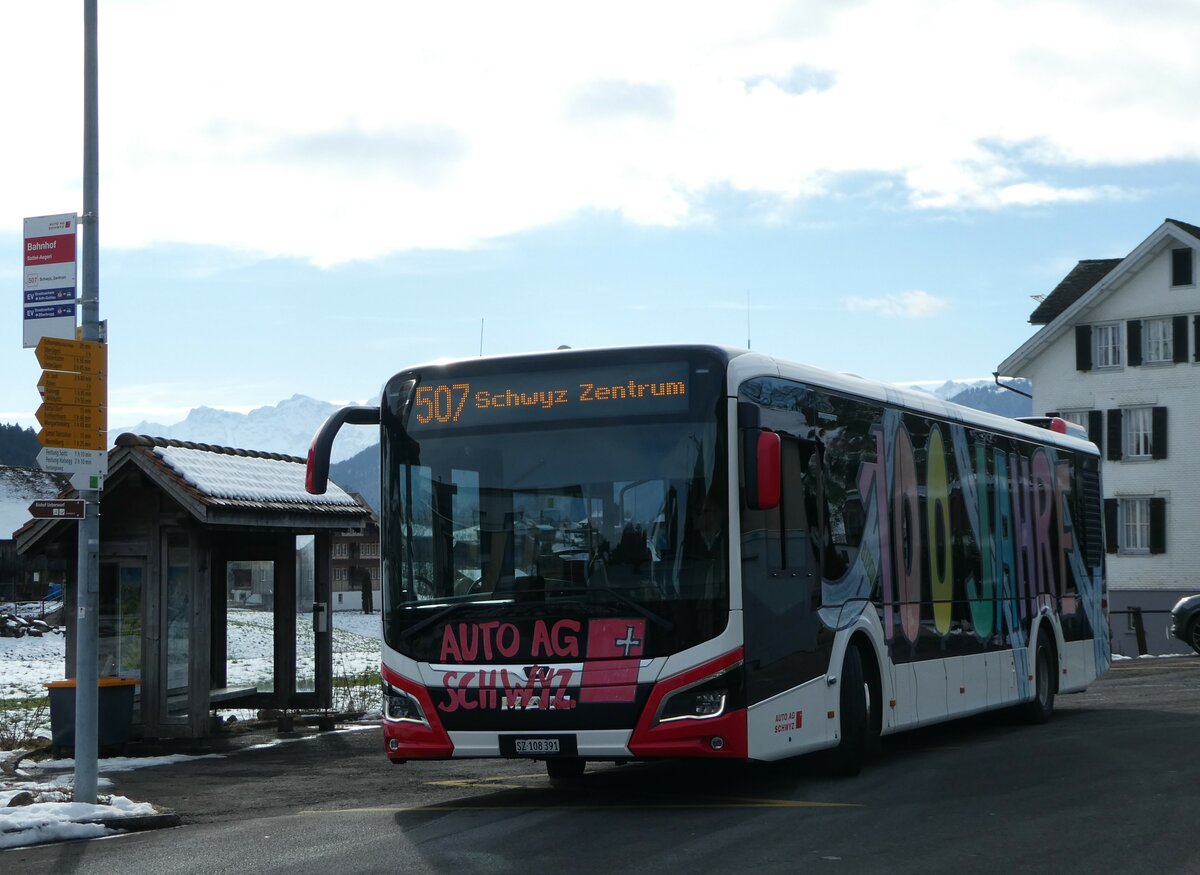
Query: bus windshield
[587, 520]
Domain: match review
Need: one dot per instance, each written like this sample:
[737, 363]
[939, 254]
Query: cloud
[616, 99]
[424, 154]
[298, 131]
[798, 80]
[903, 305]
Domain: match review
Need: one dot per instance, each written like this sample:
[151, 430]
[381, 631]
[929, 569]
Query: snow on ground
[27, 662]
[44, 822]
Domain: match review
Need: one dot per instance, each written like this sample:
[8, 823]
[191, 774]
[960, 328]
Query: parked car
[1185, 621]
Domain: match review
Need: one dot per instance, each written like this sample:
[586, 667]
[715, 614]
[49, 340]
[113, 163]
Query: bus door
[781, 577]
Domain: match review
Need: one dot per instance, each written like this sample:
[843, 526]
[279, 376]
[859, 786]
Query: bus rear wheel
[566, 769]
[1041, 708]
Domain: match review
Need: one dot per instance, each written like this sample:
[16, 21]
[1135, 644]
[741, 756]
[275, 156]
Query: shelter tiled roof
[1074, 286]
[225, 477]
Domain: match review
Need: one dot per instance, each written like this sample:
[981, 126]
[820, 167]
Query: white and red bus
[691, 551]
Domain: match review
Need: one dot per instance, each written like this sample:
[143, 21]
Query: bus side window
[793, 501]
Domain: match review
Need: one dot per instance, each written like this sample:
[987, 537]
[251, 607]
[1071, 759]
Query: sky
[304, 198]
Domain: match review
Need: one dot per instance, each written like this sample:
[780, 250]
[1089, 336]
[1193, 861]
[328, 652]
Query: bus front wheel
[854, 702]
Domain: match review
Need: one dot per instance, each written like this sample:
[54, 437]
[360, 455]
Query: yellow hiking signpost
[74, 411]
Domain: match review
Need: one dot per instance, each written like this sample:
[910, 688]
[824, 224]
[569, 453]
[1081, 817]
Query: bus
[693, 551]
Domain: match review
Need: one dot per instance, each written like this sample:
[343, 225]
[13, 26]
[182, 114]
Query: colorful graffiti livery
[1016, 556]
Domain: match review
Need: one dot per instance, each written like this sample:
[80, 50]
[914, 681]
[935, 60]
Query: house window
[1107, 340]
[341, 550]
[1135, 525]
[1136, 433]
[1134, 522]
[1156, 340]
[1131, 613]
[1181, 267]
[368, 550]
[1139, 432]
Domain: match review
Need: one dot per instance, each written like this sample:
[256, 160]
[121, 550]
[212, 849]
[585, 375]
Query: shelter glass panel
[120, 620]
[306, 644]
[250, 625]
[177, 600]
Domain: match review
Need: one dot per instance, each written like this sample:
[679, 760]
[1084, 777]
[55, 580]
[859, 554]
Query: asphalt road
[1112, 784]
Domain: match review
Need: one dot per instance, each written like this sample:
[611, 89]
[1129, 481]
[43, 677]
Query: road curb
[140, 822]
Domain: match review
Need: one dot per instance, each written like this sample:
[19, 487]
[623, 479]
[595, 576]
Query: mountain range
[288, 428]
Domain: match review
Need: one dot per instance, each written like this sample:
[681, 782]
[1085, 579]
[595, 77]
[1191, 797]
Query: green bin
[114, 713]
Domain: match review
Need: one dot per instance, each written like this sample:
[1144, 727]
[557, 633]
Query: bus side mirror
[762, 463]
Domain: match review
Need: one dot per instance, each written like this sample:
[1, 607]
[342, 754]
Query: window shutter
[1196, 336]
[1083, 347]
[1096, 428]
[1114, 436]
[1133, 341]
[1158, 525]
[1179, 339]
[1110, 525]
[1158, 434]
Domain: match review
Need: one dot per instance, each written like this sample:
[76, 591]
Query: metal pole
[87, 623]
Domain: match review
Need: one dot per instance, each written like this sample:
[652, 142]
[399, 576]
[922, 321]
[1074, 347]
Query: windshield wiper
[664, 624]
[446, 611]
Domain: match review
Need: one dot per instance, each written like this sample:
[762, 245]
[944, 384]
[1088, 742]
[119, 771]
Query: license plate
[528, 746]
[563, 745]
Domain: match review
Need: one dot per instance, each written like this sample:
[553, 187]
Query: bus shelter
[214, 586]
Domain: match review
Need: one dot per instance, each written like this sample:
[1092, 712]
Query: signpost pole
[88, 587]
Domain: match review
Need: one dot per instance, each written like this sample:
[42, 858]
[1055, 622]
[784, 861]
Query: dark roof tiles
[1082, 278]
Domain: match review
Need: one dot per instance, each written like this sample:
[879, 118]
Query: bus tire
[853, 695]
[1041, 708]
[565, 770]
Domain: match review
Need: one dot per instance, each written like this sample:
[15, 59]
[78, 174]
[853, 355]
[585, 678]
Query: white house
[1118, 352]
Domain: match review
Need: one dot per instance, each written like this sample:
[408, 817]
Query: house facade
[1118, 351]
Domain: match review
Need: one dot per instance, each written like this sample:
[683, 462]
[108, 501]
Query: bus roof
[742, 364]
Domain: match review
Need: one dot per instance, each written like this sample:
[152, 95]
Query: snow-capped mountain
[985, 395]
[287, 427]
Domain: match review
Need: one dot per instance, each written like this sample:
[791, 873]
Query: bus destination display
[584, 393]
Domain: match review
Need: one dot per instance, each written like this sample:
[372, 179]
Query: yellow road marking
[468, 806]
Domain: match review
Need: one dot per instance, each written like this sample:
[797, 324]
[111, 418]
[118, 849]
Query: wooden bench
[222, 696]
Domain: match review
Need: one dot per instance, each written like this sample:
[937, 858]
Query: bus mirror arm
[316, 479]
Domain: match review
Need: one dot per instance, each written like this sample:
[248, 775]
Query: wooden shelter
[203, 595]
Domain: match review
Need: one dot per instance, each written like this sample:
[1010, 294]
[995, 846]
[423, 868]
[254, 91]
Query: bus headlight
[402, 707]
[704, 699]
[693, 704]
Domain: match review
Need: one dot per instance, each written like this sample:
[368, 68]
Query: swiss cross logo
[614, 648]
